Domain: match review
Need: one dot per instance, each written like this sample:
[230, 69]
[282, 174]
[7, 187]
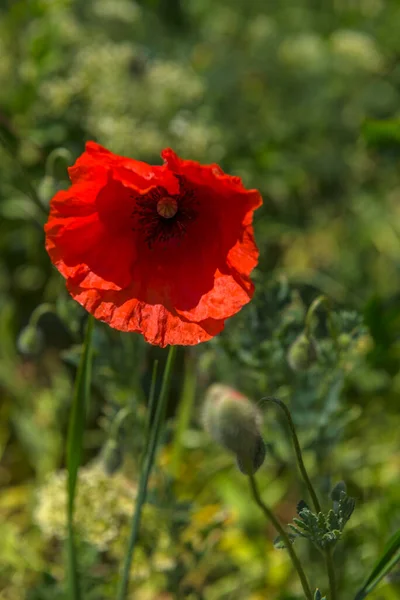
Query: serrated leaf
[390, 556]
[332, 520]
[345, 509]
[330, 538]
[297, 531]
[300, 523]
[321, 521]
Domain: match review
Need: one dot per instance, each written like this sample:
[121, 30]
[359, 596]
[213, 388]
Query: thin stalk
[330, 566]
[297, 450]
[299, 456]
[146, 470]
[288, 544]
[39, 311]
[152, 399]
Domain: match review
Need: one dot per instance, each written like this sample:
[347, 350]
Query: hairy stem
[299, 456]
[288, 544]
[297, 450]
[331, 573]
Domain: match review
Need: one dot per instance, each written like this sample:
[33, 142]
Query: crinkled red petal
[155, 322]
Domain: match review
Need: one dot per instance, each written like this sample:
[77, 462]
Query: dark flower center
[162, 216]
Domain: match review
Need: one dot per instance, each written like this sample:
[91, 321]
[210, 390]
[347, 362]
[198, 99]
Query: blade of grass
[390, 556]
[76, 428]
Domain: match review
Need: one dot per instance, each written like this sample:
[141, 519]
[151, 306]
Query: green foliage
[323, 529]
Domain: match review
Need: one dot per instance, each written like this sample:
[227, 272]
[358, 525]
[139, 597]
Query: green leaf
[382, 133]
[345, 509]
[76, 428]
[324, 529]
[390, 556]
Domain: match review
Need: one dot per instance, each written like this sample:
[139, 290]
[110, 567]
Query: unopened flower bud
[30, 341]
[233, 421]
[302, 353]
[254, 462]
[112, 457]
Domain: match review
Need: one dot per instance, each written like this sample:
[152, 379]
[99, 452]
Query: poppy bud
[112, 457]
[30, 341]
[302, 353]
[233, 421]
[256, 461]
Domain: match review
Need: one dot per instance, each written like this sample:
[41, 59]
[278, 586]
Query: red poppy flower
[162, 250]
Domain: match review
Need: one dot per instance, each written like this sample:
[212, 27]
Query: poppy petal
[158, 325]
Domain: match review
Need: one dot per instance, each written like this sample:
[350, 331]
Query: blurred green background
[302, 100]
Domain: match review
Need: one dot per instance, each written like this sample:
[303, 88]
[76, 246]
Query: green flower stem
[54, 156]
[152, 400]
[39, 311]
[299, 456]
[289, 546]
[146, 470]
[330, 566]
[297, 450]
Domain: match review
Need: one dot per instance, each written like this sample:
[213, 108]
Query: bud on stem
[233, 421]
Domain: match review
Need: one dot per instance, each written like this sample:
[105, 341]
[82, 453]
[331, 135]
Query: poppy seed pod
[302, 353]
[233, 421]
